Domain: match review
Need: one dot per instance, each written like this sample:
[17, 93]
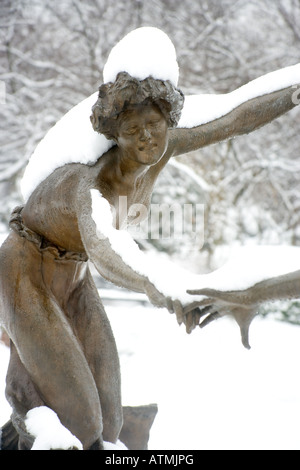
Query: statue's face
[143, 134]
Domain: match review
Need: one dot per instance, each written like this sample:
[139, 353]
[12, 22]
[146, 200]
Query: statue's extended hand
[190, 317]
[218, 304]
[191, 314]
[160, 300]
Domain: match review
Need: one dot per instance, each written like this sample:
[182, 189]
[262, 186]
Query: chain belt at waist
[17, 225]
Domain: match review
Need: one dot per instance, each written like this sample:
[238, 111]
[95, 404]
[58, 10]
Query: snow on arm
[201, 109]
[252, 276]
[248, 266]
[73, 140]
[167, 277]
[245, 267]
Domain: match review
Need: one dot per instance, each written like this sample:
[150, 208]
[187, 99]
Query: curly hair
[125, 92]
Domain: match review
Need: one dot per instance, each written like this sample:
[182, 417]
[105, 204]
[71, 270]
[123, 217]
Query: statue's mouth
[147, 148]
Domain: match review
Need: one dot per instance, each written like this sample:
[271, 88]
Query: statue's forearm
[244, 119]
[107, 262]
[111, 266]
[113, 252]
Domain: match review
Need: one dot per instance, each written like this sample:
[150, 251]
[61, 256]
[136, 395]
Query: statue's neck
[120, 173]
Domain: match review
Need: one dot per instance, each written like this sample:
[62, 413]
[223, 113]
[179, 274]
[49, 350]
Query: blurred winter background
[211, 393]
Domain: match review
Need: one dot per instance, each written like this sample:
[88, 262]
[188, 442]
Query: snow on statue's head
[142, 53]
[141, 68]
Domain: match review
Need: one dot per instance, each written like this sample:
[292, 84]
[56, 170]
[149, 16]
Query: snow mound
[43, 423]
[142, 53]
[117, 446]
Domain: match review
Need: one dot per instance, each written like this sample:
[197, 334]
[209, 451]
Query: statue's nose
[145, 135]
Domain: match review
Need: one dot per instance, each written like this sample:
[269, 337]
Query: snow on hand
[73, 140]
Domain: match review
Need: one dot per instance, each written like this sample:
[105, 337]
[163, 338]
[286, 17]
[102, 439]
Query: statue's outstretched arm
[222, 117]
[243, 305]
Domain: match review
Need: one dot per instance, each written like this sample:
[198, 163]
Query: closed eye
[154, 124]
[130, 131]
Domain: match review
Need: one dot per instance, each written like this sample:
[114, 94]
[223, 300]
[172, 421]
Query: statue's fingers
[170, 305]
[197, 316]
[206, 310]
[198, 303]
[178, 311]
[209, 319]
[192, 320]
[189, 322]
[188, 308]
[207, 292]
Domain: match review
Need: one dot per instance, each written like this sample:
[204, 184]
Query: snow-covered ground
[211, 392]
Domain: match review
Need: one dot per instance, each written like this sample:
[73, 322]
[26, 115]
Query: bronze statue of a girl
[63, 352]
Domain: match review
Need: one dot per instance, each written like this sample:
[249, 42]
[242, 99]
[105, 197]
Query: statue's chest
[131, 207]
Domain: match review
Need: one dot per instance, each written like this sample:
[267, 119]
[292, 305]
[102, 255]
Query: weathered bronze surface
[63, 352]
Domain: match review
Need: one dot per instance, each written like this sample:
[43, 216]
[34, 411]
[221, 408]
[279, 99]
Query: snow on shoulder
[142, 53]
[71, 140]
